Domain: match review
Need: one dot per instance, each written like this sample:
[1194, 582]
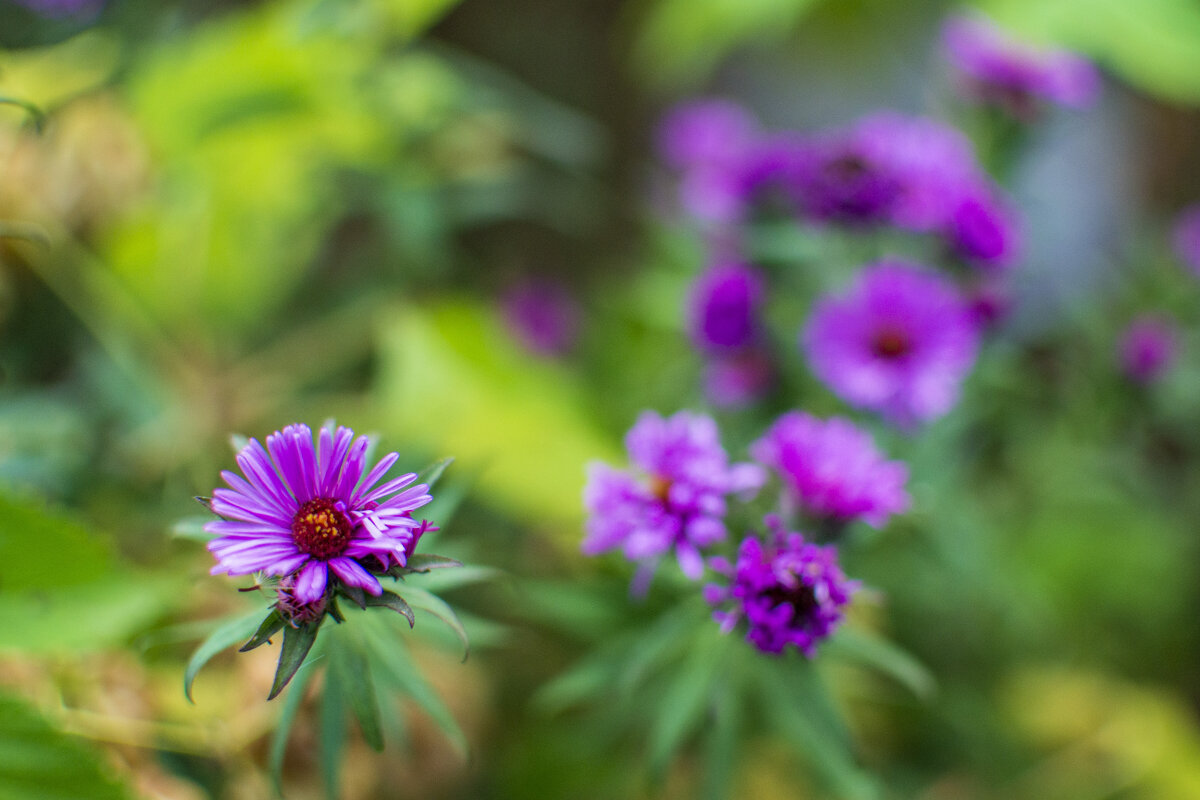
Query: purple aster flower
[983, 231]
[1148, 348]
[1187, 237]
[725, 306]
[305, 509]
[832, 469]
[899, 342]
[788, 592]
[677, 504]
[1001, 71]
[705, 132]
[731, 381]
[543, 315]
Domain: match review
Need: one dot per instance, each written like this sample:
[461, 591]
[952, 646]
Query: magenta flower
[676, 503]
[787, 591]
[725, 309]
[707, 132]
[1148, 348]
[832, 469]
[899, 342]
[1186, 237]
[543, 316]
[982, 230]
[1002, 71]
[305, 509]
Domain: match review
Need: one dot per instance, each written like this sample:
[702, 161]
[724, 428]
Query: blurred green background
[236, 215]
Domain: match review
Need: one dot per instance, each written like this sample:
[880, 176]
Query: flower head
[982, 230]
[899, 342]
[543, 316]
[833, 469]
[725, 306]
[1148, 348]
[1001, 71]
[676, 503]
[305, 508]
[1186, 237]
[788, 592]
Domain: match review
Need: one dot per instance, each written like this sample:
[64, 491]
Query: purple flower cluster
[789, 592]
[908, 172]
[786, 590]
[1148, 348]
[677, 503]
[305, 509]
[899, 342]
[832, 469]
[1000, 71]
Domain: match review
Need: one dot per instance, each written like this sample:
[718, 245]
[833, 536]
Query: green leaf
[331, 736]
[721, 742]
[395, 602]
[357, 684]
[391, 661]
[356, 594]
[266, 630]
[40, 762]
[296, 644]
[878, 653]
[225, 636]
[424, 562]
[44, 550]
[427, 601]
[681, 705]
[590, 678]
[192, 529]
[283, 728]
[433, 473]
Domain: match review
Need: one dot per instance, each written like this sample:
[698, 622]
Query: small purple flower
[1001, 71]
[788, 592]
[305, 509]
[678, 503]
[1149, 347]
[725, 308]
[1186, 237]
[990, 301]
[833, 470]
[543, 315]
[983, 231]
[705, 133]
[899, 342]
[735, 380]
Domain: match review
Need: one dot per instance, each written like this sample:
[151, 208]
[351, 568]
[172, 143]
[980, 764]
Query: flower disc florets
[305, 509]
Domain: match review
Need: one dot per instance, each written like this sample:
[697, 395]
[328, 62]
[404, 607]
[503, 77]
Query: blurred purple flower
[983, 231]
[63, 8]
[1149, 347]
[1186, 237]
[899, 342]
[990, 302]
[833, 470]
[678, 501]
[788, 592]
[543, 316]
[304, 510]
[725, 307]
[708, 132]
[1002, 71]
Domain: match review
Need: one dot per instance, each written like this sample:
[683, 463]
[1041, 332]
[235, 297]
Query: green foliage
[40, 762]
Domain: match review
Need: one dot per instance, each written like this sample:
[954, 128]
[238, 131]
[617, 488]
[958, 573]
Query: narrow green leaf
[443, 580]
[238, 442]
[356, 595]
[588, 679]
[226, 635]
[427, 601]
[423, 562]
[721, 742]
[36, 115]
[331, 735]
[395, 602]
[878, 653]
[283, 728]
[681, 706]
[265, 631]
[433, 473]
[358, 685]
[192, 529]
[296, 644]
[391, 662]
